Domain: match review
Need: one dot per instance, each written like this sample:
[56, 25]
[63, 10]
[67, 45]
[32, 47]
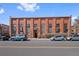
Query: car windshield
[19, 35]
[76, 36]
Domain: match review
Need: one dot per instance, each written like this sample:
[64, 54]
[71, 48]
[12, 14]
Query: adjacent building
[73, 30]
[40, 27]
[4, 29]
[76, 25]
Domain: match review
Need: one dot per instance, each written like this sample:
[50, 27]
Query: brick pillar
[46, 27]
[31, 27]
[69, 26]
[61, 26]
[10, 27]
[47, 21]
[17, 26]
[24, 27]
[39, 28]
[54, 26]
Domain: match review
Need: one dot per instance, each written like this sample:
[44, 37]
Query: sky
[8, 10]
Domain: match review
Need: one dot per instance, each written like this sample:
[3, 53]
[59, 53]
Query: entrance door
[35, 33]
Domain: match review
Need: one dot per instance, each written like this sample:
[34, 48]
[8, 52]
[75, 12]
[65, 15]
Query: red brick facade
[38, 21]
[4, 29]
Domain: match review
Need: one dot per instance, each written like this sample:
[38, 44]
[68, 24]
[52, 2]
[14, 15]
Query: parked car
[5, 38]
[0, 38]
[75, 38]
[58, 38]
[19, 38]
[68, 38]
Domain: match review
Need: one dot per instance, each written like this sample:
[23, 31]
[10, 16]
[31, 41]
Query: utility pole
[0, 30]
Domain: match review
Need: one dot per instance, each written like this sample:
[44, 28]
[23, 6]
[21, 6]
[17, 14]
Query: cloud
[19, 7]
[2, 11]
[32, 7]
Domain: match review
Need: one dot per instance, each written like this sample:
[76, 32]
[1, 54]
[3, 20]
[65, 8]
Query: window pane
[14, 29]
[50, 28]
[65, 28]
[43, 28]
[21, 27]
[57, 28]
[28, 28]
[35, 25]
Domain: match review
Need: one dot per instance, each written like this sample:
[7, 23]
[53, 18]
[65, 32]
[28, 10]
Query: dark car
[19, 38]
[5, 38]
[0, 38]
[58, 38]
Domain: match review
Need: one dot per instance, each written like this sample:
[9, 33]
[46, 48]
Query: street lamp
[0, 30]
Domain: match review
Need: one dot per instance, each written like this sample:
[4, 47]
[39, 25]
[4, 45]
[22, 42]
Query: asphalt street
[39, 43]
[39, 51]
[39, 48]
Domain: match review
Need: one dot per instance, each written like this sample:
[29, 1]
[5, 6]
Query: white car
[58, 38]
[68, 38]
[75, 38]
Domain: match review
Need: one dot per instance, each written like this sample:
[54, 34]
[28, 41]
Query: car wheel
[53, 39]
[24, 39]
[68, 39]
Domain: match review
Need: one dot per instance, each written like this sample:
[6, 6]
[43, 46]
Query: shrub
[49, 36]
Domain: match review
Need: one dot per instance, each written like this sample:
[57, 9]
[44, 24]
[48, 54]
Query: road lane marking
[38, 47]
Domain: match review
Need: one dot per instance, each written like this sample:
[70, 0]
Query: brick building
[36, 27]
[4, 29]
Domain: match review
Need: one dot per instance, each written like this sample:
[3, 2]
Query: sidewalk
[38, 38]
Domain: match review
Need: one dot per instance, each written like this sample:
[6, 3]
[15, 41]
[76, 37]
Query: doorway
[35, 33]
